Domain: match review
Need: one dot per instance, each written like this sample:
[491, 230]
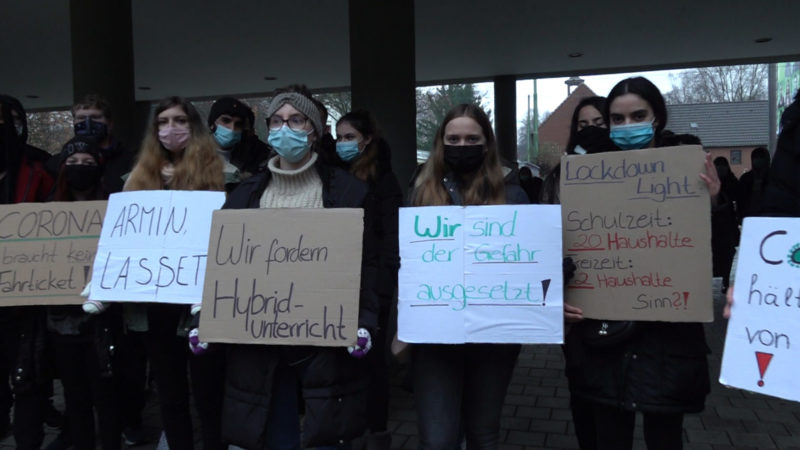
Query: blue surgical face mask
[632, 136]
[227, 138]
[347, 150]
[291, 145]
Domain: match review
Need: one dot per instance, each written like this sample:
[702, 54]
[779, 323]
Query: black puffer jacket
[333, 383]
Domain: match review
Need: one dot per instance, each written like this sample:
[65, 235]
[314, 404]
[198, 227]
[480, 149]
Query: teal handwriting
[463, 293]
[442, 229]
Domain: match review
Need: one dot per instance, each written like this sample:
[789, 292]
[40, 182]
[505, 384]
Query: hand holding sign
[153, 246]
[283, 277]
[638, 225]
[480, 274]
[758, 353]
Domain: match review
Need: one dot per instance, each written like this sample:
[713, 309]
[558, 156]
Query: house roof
[569, 103]
[555, 129]
[737, 124]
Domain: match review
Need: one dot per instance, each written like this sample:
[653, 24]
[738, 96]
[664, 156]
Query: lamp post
[535, 123]
[573, 82]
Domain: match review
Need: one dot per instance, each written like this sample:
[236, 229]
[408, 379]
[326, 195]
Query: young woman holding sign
[261, 404]
[462, 384]
[658, 368]
[178, 152]
[84, 344]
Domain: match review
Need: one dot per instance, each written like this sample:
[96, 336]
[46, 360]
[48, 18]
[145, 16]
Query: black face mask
[82, 178]
[595, 140]
[92, 129]
[464, 158]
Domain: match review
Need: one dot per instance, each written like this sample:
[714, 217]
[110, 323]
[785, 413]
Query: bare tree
[338, 103]
[49, 130]
[433, 105]
[719, 84]
[523, 128]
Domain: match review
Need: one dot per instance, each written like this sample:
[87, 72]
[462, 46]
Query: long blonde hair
[198, 167]
[486, 186]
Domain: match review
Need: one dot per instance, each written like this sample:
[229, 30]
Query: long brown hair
[365, 166]
[198, 167]
[486, 186]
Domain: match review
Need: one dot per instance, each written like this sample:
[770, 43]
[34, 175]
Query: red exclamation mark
[763, 362]
[685, 300]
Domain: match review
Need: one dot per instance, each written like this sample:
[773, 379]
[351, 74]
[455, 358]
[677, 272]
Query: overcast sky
[552, 91]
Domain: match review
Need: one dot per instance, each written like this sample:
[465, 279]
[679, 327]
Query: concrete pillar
[382, 74]
[102, 61]
[505, 116]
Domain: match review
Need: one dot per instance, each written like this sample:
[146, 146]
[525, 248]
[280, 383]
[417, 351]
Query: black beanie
[229, 106]
[81, 144]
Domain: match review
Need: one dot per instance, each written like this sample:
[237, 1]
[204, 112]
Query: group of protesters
[254, 396]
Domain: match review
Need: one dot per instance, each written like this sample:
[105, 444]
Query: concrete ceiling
[207, 48]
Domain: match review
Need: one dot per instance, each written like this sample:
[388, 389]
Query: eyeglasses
[296, 122]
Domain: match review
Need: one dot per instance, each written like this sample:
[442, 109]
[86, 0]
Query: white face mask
[20, 128]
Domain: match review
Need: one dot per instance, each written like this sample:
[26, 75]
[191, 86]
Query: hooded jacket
[30, 182]
[25, 180]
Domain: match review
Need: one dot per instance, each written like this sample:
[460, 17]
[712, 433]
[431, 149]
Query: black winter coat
[514, 193]
[333, 383]
[118, 161]
[662, 368]
[782, 195]
[386, 195]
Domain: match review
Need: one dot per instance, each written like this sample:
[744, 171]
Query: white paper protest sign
[489, 274]
[758, 353]
[153, 246]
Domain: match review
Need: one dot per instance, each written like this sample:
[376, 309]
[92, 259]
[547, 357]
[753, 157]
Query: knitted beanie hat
[300, 103]
[81, 144]
[229, 106]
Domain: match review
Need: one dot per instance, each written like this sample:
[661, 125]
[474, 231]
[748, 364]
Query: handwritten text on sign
[759, 354]
[283, 276]
[480, 274]
[638, 225]
[153, 246]
[47, 251]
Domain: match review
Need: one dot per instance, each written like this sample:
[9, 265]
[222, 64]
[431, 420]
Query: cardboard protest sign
[153, 246]
[283, 276]
[638, 225]
[758, 353]
[47, 251]
[488, 274]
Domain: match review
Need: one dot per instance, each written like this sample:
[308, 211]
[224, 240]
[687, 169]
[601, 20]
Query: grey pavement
[536, 414]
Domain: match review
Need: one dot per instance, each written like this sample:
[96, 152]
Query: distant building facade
[731, 130]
